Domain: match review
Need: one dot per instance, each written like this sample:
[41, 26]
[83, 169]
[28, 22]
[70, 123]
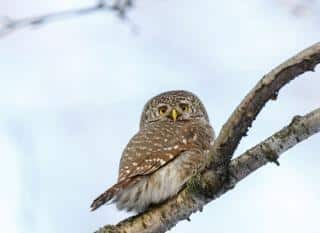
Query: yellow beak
[174, 114]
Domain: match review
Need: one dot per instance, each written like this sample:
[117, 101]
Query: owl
[171, 146]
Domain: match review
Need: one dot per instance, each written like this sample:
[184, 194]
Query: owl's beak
[174, 114]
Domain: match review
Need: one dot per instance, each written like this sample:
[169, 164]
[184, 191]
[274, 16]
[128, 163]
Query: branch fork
[222, 173]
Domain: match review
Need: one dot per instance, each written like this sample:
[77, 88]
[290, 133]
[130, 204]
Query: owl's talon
[273, 159]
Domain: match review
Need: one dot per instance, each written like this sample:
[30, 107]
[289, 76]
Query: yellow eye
[184, 107]
[162, 110]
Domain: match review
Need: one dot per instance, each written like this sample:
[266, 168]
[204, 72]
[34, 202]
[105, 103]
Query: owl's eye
[184, 107]
[162, 110]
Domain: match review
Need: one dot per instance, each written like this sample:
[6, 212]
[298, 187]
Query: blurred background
[71, 93]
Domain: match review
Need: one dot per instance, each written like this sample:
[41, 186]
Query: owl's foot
[273, 158]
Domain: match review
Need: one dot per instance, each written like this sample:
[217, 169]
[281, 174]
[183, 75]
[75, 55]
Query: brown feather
[182, 139]
[112, 192]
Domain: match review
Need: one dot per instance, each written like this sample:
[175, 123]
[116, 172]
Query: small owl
[171, 146]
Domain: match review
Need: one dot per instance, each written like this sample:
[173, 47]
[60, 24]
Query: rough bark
[221, 174]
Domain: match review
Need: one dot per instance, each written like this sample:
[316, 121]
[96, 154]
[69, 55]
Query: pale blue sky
[71, 93]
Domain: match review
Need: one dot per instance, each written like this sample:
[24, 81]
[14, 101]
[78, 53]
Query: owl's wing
[157, 150]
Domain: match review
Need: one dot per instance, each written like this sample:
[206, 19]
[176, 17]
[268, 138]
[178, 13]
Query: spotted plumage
[173, 141]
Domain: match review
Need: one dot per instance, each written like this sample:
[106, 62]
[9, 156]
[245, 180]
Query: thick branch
[212, 182]
[9, 25]
[161, 218]
[270, 149]
[267, 88]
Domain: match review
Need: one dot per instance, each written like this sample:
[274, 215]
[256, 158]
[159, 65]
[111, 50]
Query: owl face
[173, 106]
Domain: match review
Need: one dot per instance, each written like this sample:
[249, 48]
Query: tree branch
[267, 88]
[270, 149]
[9, 25]
[158, 218]
[221, 175]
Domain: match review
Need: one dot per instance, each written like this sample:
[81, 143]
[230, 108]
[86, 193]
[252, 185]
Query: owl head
[173, 106]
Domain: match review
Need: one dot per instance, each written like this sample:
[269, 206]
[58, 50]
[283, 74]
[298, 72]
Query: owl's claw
[273, 159]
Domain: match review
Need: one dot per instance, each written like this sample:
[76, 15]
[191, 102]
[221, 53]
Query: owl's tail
[105, 197]
[111, 193]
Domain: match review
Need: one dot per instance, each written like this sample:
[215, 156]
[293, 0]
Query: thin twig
[9, 25]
